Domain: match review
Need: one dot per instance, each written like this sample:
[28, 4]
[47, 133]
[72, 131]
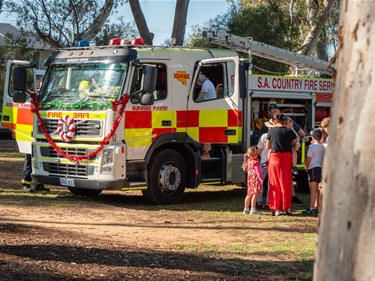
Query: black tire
[84, 191]
[166, 178]
[302, 181]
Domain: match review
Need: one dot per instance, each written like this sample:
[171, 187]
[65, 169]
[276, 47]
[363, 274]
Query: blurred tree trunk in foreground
[346, 249]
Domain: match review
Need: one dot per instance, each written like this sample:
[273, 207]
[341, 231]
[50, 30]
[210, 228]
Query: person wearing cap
[207, 92]
[313, 166]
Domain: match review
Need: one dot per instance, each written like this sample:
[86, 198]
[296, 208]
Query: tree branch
[140, 21]
[98, 22]
[316, 28]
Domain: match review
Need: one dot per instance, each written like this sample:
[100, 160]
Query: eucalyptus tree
[345, 248]
[179, 24]
[61, 23]
[304, 26]
[16, 48]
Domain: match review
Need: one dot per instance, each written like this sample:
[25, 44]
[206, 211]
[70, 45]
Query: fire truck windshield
[91, 82]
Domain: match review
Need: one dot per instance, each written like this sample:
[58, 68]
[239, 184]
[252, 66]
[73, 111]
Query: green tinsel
[76, 105]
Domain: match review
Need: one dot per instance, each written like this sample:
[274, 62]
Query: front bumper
[84, 183]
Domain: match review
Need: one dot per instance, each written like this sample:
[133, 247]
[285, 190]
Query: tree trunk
[346, 243]
[321, 50]
[140, 21]
[179, 24]
[316, 19]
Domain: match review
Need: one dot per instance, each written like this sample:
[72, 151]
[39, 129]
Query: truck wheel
[167, 178]
[302, 181]
[84, 191]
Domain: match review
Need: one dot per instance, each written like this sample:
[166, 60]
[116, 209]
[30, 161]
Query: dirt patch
[117, 236]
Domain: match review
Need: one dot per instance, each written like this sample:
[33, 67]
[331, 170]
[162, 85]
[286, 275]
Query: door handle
[166, 123]
[230, 132]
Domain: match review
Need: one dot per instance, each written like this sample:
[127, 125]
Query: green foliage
[16, 50]
[277, 23]
[220, 22]
[63, 21]
[119, 29]
[330, 33]
[265, 23]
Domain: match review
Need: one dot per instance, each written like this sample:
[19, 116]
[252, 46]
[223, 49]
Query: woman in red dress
[280, 141]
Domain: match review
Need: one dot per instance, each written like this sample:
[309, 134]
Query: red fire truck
[125, 116]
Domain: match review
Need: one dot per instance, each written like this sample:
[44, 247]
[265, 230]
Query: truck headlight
[107, 161]
[34, 159]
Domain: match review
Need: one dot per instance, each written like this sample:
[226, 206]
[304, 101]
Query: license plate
[67, 182]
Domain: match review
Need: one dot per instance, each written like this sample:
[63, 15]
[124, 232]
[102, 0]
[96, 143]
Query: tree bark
[140, 21]
[346, 243]
[179, 24]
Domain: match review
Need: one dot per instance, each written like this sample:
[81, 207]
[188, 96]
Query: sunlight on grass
[237, 248]
[12, 158]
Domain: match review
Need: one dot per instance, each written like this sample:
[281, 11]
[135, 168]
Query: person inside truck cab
[207, 91]
[85, 87]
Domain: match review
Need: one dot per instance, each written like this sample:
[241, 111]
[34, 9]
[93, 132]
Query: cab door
[18, 117]
[217, 120]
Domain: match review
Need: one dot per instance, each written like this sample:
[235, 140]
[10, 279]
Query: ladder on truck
[248, 45]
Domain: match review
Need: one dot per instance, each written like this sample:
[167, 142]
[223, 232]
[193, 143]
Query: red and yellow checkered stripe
[204, 126]
[21, 120]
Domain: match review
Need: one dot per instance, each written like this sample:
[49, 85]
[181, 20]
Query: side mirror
[147, 99]
[149, 78]
[19, 79]
[19, 97]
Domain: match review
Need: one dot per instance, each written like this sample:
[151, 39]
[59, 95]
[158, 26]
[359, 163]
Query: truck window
[212, 82]
[161, 83]
[91, 83]
[29, 83]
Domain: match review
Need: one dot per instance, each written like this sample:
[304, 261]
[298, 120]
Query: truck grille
[48, 151]
[68, 169]
[84, 127]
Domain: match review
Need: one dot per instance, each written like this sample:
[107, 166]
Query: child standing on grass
[313, 166]
[254, 180]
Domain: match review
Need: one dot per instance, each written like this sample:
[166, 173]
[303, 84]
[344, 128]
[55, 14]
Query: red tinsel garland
[36, 107]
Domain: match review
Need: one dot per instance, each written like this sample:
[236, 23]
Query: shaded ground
[117, 236]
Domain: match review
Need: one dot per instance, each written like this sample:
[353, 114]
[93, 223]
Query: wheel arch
[185, 146]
